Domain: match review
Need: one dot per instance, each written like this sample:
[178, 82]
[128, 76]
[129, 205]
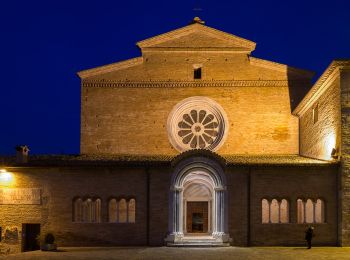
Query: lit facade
[195, 142]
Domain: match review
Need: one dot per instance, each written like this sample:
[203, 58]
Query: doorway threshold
[198, 240]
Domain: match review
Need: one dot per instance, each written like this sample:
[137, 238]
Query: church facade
[195, 142]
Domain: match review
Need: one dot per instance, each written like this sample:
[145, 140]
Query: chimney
[22, 152]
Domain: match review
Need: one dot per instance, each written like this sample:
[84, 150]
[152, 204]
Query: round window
[197, 123]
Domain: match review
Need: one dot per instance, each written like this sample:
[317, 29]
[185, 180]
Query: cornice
[279, 67]
[110, 67]
[187, 84]
[197, 49]
[321, 85]
[194, 28]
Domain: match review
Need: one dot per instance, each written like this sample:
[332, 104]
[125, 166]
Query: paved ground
[253, 253]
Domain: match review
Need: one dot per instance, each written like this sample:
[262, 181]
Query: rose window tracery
[198, 129]
[197, 123]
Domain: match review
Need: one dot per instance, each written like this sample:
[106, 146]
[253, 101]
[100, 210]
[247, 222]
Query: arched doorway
[198, 190]
[197, 207]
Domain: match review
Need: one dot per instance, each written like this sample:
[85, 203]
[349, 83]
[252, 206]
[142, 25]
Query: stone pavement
[253, 253]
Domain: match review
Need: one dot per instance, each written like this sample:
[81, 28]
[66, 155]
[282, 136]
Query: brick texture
[318, 139]
[133, 121]
[345, 158]
[61, 185]
[293, 183]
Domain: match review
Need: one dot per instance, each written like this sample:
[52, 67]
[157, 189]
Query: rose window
[197, 123]
[199, 129]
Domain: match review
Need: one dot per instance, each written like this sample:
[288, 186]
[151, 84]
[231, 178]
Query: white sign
[20, 196]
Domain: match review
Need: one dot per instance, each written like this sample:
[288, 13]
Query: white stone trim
[218, 226]
[197, 103]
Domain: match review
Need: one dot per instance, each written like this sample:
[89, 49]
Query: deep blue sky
[44, 44]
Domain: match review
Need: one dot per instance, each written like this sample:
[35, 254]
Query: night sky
[44, 44]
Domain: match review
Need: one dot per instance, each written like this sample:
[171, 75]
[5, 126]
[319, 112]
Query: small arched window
[122, 214]
[274, 211]
[265, 208]
[197, 73]
[284, 211]
[93, 211]
[131, 211]
[300, 211]
[319, 211]
[112, 211]
[87, 211]
[309, 211]
[78, 210]
[97, 211]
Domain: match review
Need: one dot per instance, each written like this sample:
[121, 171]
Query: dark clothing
[308, 243]
[309, 234]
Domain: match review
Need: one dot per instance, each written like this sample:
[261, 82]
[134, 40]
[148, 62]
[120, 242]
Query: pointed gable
[197, 36]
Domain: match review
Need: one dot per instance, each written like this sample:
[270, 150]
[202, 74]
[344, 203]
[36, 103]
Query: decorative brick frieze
[188, 84]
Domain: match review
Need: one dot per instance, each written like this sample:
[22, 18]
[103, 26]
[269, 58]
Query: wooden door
[30, 234]
[197, 217]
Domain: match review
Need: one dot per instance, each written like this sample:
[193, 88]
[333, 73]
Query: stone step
[198, 244]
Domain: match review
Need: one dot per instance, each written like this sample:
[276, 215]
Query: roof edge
[109, 67]
[280, 67]
[147, 43]
[321, 85]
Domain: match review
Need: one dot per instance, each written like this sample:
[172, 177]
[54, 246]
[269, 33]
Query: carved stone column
[177, 221]
[219, 215]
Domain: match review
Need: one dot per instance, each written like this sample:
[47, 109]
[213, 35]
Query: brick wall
[318, 139]
[133, 120]
[60, 185]
[237, 201]
[13, 216]
[159, 205]
[345, 158]
[292, 183]
[179, 66]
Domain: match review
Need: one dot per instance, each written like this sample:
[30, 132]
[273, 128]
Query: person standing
[309, 234]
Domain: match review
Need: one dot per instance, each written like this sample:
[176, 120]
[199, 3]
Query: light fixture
[5, 177]
[335, 153]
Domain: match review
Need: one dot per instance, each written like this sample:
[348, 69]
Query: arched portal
[198, 190]
[198, 182]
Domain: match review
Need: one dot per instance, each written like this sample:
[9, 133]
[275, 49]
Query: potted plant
[47, 243]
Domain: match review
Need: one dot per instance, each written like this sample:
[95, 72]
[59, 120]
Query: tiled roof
[274, 160]
[96, 160]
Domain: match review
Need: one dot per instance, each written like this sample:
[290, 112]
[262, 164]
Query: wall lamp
[5, 177]
[335, 153]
